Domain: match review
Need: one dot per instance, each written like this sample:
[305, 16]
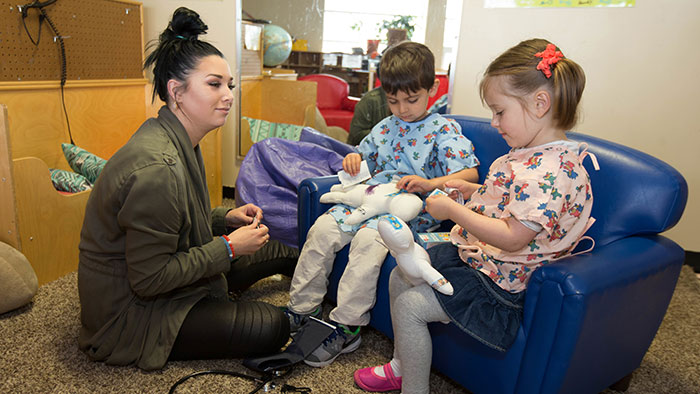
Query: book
[426, 240]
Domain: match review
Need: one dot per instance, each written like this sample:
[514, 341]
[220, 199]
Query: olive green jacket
[371, 109]
[147, 251]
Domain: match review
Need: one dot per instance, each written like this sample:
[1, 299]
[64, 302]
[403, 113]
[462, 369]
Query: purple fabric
[269, 176]
[309, 134]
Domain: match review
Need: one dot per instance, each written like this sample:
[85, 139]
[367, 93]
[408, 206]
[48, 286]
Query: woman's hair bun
[186, 24]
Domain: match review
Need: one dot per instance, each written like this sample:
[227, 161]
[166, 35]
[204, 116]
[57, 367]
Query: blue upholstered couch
[588, 319]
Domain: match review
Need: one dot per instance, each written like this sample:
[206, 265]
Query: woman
[153, 255]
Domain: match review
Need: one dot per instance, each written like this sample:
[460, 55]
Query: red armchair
[332, 99]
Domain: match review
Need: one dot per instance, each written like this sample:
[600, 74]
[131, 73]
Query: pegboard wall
[102, 39]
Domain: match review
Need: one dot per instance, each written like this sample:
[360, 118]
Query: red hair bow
[549, 56]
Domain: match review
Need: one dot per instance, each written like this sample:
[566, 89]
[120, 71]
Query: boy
[418, 149]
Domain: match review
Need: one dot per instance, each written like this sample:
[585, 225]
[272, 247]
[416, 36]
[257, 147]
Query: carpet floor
[40, 353]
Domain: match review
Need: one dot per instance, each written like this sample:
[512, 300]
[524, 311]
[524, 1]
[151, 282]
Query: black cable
[261, 380]
[38, 37]
[64, 70]
[61, 46]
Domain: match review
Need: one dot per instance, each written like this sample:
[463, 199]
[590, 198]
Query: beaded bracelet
[229, 247]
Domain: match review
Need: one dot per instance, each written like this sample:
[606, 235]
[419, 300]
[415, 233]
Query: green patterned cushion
[83, 162]
[261, 129]
[68, 181]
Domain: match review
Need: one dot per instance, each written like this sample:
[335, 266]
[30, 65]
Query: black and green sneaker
[296, 320]
[342, 340]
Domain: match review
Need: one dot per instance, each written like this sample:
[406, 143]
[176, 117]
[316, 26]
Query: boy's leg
[315, 263]
[357, 288]
[356, 296]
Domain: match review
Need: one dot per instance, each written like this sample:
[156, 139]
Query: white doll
[373, 200]
[411, 257]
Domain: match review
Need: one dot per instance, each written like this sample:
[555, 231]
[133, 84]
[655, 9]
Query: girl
[533, 208]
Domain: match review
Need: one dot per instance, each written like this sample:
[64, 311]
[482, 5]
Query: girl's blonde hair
[519, 67]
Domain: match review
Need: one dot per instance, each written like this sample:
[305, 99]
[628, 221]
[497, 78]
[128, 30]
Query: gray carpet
[40, 354]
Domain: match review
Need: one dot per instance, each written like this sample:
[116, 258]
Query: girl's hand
[243, 215]
[351, 163]
[440, 207]
[415, 184]
[248, 239]
[466, 188]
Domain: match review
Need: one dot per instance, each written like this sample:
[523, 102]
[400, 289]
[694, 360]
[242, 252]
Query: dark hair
[178, 50]
[519, 65]
[407, 66]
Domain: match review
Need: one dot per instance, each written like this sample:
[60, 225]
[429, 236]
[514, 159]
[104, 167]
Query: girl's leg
[411, 312]
[412, 308]
[357, 288]
[309, 283]
[230, 329]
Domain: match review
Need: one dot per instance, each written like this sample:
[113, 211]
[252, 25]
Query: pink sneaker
[370, 381]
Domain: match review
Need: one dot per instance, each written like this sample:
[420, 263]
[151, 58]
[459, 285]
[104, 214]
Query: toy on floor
[372, 200]
[411, 257]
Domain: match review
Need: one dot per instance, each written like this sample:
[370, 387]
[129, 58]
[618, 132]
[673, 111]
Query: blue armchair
[588, 319]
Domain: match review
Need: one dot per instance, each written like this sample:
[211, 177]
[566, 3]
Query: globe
[277, 45]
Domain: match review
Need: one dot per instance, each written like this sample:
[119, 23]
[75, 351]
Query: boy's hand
[440, 206]
[415, 184]
[351, 163]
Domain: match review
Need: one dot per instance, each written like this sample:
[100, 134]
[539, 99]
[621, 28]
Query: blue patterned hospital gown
[430, 148]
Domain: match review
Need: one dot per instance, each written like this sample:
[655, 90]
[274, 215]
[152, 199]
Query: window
[350, 24]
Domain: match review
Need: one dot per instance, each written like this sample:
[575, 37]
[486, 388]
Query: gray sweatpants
[412, 308]
[357, 288]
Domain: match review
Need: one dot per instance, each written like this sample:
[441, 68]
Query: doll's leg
[357, 288]
[315, 262]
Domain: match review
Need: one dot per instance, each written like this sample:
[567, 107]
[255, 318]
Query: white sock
[395, 368]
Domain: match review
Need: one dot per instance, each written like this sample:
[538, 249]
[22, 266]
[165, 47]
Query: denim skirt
[479, 307]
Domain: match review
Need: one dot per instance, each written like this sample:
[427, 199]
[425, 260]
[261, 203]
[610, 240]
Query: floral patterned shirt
[430, 148]
[547, 185]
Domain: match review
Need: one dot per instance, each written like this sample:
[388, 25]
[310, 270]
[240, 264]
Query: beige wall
[642, 79]
[302, 19]
[221, 18]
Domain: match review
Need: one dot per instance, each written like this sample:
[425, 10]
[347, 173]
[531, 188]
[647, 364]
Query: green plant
[399, 22]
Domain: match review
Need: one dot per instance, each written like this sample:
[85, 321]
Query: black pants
[237, 329]
[230, 329]
[273, 258]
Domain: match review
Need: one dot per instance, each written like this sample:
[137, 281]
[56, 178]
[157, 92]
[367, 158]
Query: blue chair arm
[308, 206]
[589, 319]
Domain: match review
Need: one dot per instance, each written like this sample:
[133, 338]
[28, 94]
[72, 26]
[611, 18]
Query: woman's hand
[440, 206]
[243, 215]
[415, 184]
[248, 239]
[351, 163]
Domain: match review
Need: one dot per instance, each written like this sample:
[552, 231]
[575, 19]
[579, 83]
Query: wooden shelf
[304, 62]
